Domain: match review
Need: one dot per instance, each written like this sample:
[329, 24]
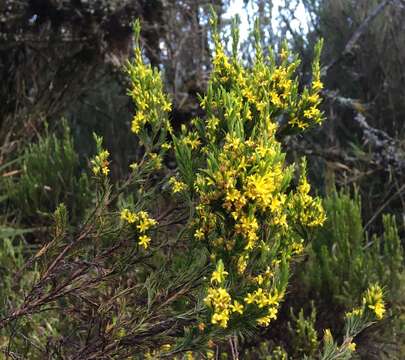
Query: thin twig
[383, 206]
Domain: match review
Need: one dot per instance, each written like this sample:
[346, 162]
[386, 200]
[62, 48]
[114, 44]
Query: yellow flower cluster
[220, 300]
[271, 314]
[177, 185]
[309, 113]
[298, 247]
[100, 163]
[327, 336]
[306, 210]
[156, 160]
[142, 221]
[264, 299]
[223, 70]
[373, 300]
[147, 92]
[248, 178]
[270, 89]
[247, 227]
[191, 139]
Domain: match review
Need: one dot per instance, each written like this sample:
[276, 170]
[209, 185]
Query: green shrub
[49, 173]
[344, 261]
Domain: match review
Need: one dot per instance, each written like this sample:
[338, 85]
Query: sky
[237, 7]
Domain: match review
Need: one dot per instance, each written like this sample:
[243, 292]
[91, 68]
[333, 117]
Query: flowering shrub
[177, 261]
[248, 214]
[231, 164]
[233, 175]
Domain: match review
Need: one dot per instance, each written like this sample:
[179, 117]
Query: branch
[357, 34]
[387, 152]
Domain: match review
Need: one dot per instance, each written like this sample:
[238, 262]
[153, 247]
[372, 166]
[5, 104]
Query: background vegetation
[77, 283]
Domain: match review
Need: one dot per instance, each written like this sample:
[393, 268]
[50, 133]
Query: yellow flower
[284, 54]
[358, 312]
[248, 227]
[327, 336]
[133, 166]
[177, 186]
[156, 160]
[351, 346]
[250, 298]
[314, 98]
[264, 321]
[210, 354]
[167, 106]
[260, 188]
[193, 141]
[298, 123]
[317, 85]
[273, 313]
[219, 275]
[100, 163]
[260, 298]
[143, 226]
[221, 318]
[199, 234]
[137, 122]
[145, 222]
[212, 123]
[220, 300]
[298, 248]
[105, 170]
[259, 279]
[379, 310]
[242, 264]
[312, 113]
[144, 241]
[128, 216]
[237, 307]
[275, 99]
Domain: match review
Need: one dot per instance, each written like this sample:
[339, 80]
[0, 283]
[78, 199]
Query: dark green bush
[49, 173]
[344, 260]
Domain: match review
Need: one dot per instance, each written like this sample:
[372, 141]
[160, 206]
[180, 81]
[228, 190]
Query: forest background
[72, 285]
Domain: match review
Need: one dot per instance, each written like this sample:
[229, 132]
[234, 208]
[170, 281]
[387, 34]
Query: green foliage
[49, 173]
[392, 256]
[343, 263]
[303, 333]
[13, 254]
[11, 258]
